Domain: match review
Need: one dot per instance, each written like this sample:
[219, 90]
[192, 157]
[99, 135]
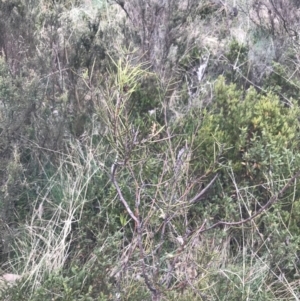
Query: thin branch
[198, 196]
[270, 202]
[121, 3]
[151, 287]
[124, 202]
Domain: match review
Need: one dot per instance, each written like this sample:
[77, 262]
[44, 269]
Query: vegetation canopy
[149, 150]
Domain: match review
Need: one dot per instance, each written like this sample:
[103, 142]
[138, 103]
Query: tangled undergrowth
[149, 152]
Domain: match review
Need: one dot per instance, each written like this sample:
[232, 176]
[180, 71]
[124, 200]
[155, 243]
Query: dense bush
[130, 169]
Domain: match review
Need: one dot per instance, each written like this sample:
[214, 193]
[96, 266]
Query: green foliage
[237, 66]
[97, 179]
[146, 97]
[191, 58]
[250, 139]
[254, 130]
[237, 54]
[78, 284]
[281, 82]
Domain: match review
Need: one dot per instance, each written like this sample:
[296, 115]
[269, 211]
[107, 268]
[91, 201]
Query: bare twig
[155, 292]
[124, 202]
[198, 196]
[270, 202]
